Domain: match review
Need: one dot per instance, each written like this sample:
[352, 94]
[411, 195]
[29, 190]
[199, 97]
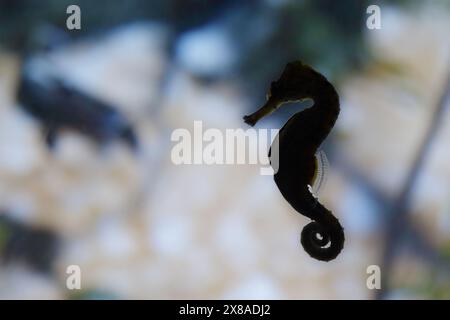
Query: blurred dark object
[35, 247]
[58, 106]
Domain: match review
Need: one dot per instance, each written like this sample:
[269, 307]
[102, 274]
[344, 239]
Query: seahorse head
[297, 82]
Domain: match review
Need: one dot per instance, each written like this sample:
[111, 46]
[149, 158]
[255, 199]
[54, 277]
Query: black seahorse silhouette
[298, 141]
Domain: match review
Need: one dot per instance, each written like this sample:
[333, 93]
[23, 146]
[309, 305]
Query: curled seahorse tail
[323, 238]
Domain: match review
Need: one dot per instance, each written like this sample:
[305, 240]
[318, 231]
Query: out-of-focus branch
[398, 224]
[417, 240]
[362, 180]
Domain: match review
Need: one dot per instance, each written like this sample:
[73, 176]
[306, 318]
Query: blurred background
[141, 227]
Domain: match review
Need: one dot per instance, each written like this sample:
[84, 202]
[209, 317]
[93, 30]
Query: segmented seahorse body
[298, 142]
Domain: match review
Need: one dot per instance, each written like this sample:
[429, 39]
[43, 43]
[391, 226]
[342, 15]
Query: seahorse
[297, 143]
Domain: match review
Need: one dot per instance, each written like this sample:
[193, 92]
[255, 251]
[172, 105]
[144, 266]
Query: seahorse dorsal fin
[321, 173]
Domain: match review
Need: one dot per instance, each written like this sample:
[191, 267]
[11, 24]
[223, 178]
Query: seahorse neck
[325, 96]
[326, 103]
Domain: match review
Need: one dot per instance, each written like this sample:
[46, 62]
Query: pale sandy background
[141, 227]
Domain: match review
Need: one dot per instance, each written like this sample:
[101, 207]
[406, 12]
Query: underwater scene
[193, 149]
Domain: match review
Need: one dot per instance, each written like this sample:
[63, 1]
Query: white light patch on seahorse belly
[321, 173]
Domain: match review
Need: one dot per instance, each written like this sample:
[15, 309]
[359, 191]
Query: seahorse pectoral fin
[269, 107]
[321, 173]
